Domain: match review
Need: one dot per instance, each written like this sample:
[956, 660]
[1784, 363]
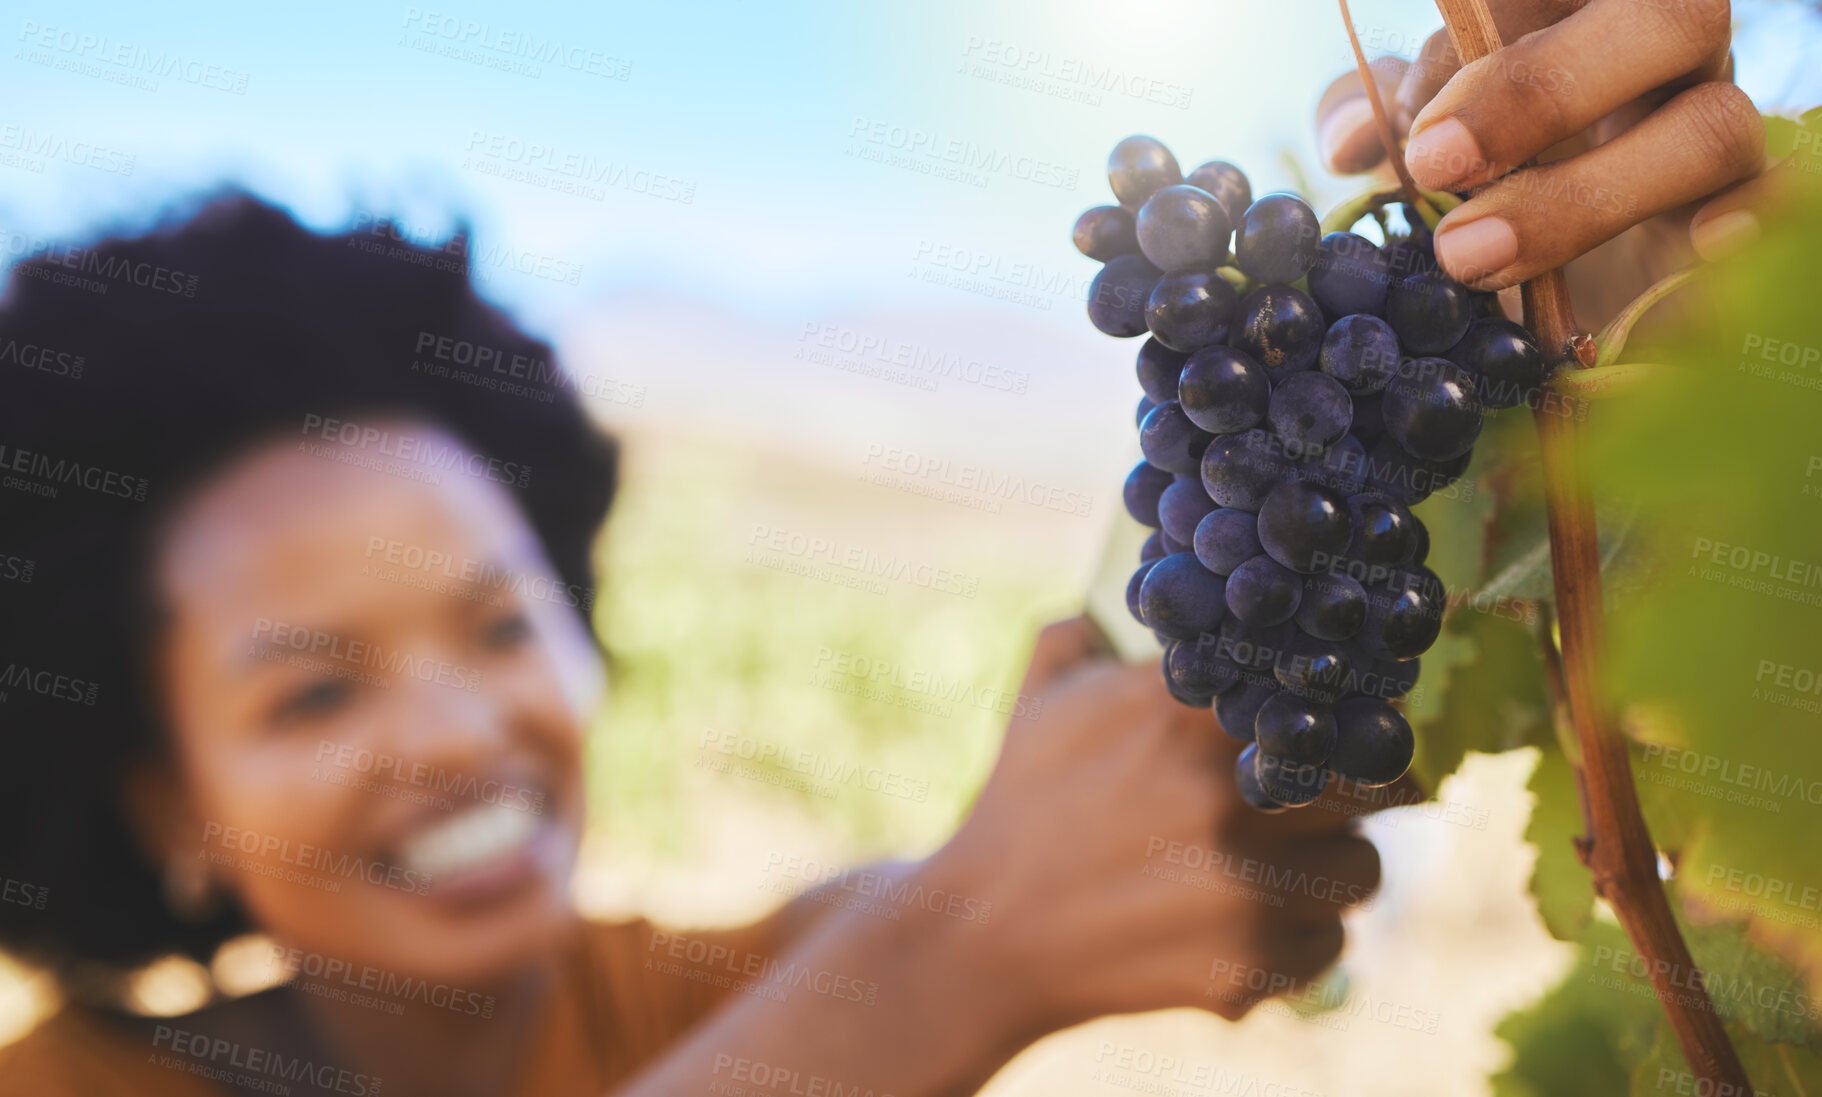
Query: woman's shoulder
[76, 1051]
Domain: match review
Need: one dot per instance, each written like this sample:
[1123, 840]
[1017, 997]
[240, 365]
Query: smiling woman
[301, 655]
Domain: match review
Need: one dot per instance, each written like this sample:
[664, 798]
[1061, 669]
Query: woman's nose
[451, 721]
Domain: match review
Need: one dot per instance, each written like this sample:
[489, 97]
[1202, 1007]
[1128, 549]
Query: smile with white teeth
[469, 840]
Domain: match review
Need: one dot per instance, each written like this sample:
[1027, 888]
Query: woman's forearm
[939, 1023]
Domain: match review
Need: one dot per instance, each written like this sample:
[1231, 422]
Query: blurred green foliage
[1715, 470]
[705, 645]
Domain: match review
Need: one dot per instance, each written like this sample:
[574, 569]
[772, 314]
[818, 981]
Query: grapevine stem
[1612, 338]
[1618, 850]
[1370, 85]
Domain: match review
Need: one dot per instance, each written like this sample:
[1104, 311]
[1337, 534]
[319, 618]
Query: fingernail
[1441, 154]
[1348, 140]
[1721, 236]
[1477, 249]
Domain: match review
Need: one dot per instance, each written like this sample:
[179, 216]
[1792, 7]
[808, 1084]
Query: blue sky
[755, 178]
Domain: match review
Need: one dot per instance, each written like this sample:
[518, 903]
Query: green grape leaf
[1562, 885]
[1753, 987]
[1583, 1038]
[1773, 1069]
[1528, 574]
[1780, 136]
[1493, 698]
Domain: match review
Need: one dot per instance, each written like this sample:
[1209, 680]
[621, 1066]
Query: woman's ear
[165, 826]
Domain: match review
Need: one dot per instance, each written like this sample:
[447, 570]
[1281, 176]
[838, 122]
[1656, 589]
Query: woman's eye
[506, 632]
[315, 700]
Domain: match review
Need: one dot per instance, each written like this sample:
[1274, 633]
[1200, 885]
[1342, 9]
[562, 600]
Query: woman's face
[376, 687]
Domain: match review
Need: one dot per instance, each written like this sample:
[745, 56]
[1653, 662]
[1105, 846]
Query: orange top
[629, 991]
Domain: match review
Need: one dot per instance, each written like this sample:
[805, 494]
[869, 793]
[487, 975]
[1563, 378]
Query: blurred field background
[707, 318]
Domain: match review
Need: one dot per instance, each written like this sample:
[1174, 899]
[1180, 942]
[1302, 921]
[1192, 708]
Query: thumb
[1346, 135]
[1062, 645]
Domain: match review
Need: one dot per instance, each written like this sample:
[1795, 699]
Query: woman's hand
[1630, 105]
[1125, 872]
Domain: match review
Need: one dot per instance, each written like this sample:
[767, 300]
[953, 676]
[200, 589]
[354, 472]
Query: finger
[1436, 64]
[1732, 219]
[1060, 646]
[1346, 134]
[1516, 102]
[1285, 958]
[1299, 953]
[1703, 140]
[1320, 878]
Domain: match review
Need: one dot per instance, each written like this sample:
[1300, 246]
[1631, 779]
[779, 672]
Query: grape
[1349, 275]
[1296, 731]
[1281, 328]
[1369, 419]
[1246, 777]
[1286, 436]
[1261, 591]
[1228, 184]
[1181, 507]
[1140, 167]
[1227, 538]
[1117, 296]
[1389, 469]
[1223, 391]
[1505, 360]
[1182, 599]
[1238, 708]
[1310, 410]
[1256, 648]
[1144, 485]
[1153, 548]
[1407, 257]
[1303, 524]
[1276, 239]
[1188, 697]
[1444, 474]
[1292, 786]
[1396, 677]
[1198, 667]
[1361, 352]
[1319, 671]
[1373, 743]
[1240, 470]
[1170, 441]
[1404, 620]
[1184, 227]
[1191, 310]
[1385, 532]
[1105, 232]
[1429, 311]
[1333, 607]
[1158, 368]
[1431, 409]
[1133, 585]
[1340, 467]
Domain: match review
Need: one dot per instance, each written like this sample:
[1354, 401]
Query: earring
[189, 892]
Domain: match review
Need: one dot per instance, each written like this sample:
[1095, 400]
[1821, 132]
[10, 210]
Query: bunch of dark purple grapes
[1287, 433]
